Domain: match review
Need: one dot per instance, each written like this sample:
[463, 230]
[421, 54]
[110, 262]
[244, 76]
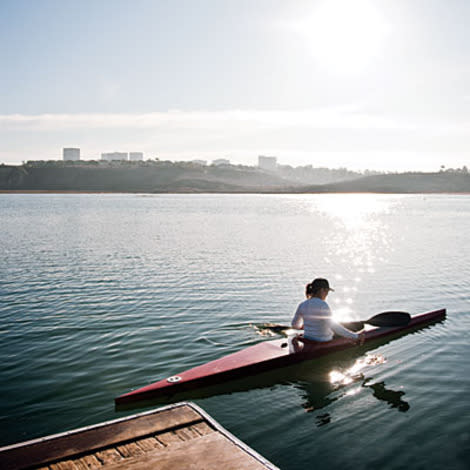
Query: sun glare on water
[356, 241]
[352, 210]
[343, 35]
[355, 372]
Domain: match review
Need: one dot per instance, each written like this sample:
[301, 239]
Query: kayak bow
[261, 357]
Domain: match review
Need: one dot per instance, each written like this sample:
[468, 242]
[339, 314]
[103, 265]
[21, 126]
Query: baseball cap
[321, 283]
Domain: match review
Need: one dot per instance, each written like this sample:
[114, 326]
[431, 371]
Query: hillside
[152, 177]
[181, 177]
[442, 182]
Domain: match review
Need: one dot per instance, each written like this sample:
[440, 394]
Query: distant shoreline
[163, 178]
[51, 191]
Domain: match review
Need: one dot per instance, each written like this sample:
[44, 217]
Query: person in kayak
[314, 315]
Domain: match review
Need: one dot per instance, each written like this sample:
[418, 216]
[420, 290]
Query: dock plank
[130, 450]
[168, 438]
[150, 443]
[187, 433]
[86, 440]
[178, 436]
[202, 428]
[109, 456]
[212, 452]
[64, 465]
[88, 462]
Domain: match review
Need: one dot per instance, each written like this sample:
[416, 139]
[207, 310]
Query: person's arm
[342, 331]
[298, 320]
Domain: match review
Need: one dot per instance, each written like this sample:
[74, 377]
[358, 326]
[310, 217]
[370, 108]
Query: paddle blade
[390, 319]
[353, 325]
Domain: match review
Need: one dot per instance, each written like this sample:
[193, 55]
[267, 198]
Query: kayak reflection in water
[314, 316]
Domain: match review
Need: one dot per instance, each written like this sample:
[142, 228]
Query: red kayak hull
[261, 357]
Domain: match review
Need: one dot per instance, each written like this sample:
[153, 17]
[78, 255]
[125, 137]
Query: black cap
[320, 283]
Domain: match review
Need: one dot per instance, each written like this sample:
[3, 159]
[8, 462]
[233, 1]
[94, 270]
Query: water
[100, 294]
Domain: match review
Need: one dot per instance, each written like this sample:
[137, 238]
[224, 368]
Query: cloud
[349, 135]
[345, 117]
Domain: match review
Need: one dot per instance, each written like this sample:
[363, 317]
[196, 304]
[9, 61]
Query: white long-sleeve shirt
[314, 316]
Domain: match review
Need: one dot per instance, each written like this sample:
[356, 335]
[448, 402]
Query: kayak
[262, 357]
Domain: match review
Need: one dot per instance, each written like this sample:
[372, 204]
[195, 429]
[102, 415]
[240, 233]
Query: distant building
[71, 154]
[136, 156]
[267, 163]
[199, 162]
[114, 156]
[221, 161]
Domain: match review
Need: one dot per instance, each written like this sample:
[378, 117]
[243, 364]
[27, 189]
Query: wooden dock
[180, 436]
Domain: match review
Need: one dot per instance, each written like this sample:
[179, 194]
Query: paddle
[381, 319]
[391, 319]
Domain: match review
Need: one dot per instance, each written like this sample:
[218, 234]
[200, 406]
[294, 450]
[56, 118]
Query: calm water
[100, 294]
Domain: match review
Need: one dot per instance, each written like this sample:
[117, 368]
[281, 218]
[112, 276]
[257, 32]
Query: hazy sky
[378, 84]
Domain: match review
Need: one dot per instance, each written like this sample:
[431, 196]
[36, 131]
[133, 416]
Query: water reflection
[392, 397]
[319, 395]
[347, 377]
[321, 420]
[317, 398]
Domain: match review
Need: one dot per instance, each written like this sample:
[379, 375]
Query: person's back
[314, 315]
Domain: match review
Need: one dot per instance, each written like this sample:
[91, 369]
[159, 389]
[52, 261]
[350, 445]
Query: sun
[344, 35]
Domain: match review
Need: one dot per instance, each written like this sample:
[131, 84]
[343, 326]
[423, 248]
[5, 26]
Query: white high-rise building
[114, 156]
[221, 161]
[267, 163]
[71, 154]
[136, 156]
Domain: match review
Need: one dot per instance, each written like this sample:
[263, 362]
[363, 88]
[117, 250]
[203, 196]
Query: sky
[363, 84]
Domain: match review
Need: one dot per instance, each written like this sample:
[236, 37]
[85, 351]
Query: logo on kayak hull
[173, 379]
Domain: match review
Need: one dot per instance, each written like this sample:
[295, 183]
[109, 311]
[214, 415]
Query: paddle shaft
[390, 319]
